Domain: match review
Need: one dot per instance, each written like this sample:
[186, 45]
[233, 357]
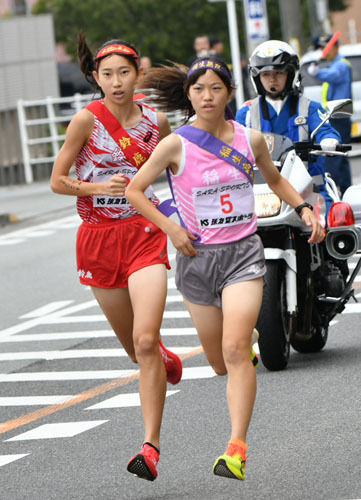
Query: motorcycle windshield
[278, 147]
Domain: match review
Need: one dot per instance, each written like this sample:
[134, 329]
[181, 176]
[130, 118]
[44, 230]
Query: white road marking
[38, 316]
[93, 318]
[352, 308]
[33, 400]
[77, 353]
[47, 309]
[11, 242]
[122, 401]
[188, 373]
[63, 376]
[7, 459]
[59, 430]
[198, 372]
[90, 334]
[174, 298]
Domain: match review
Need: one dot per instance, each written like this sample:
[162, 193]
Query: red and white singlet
[101, 158]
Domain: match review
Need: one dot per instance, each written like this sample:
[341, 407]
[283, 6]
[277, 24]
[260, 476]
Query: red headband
[117, 49]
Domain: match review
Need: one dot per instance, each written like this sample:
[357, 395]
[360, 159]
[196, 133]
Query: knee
[235, 353]
[145, 345]
[220, 370]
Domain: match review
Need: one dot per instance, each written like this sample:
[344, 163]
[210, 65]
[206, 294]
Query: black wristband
[298, 209]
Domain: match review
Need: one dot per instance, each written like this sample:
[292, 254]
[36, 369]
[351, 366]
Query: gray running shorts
[201, 279]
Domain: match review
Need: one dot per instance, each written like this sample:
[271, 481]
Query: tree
[163, 30]
[336, 5]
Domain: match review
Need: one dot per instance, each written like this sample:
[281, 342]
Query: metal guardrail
[41, 138]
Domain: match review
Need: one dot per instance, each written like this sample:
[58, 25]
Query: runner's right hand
[182, 240]
[115, 186]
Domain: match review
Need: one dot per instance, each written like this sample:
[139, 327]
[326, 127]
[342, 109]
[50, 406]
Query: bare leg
[241, 303]
[116, 305]
[225, 335]
[148, 289]
[208, 321]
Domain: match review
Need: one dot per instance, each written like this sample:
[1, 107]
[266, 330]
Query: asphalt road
[305, 436]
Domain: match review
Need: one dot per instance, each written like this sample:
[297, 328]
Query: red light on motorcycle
[340, 214]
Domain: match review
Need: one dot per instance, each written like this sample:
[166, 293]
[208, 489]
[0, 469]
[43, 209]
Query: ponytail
[167, 88]
[86, 60]
[169, 85]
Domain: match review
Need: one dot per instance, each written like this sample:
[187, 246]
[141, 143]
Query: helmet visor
[255, 71]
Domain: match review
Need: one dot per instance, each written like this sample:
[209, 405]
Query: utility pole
[291, 23]
[235, 52]
[318, 14]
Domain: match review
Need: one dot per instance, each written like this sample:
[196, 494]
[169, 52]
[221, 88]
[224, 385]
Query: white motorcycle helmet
[275, 55]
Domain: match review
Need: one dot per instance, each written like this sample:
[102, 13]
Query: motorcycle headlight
[267, 205]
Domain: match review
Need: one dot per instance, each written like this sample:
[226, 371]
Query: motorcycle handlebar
[304, 148]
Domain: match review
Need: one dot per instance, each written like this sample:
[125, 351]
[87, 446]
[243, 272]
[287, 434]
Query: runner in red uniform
[121, 255]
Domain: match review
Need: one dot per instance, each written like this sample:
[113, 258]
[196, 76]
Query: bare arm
[281, 187]
[167, 152]
[77, 135]
[163, 124]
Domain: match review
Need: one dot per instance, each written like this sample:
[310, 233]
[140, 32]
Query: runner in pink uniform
[121, 255]
[220, 260]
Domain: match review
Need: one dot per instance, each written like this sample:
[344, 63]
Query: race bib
[104, 174]
[223, 205]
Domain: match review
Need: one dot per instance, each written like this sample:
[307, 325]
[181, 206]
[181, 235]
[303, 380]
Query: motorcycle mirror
[340, 108]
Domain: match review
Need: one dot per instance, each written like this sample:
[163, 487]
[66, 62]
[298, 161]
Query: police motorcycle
[306, 285]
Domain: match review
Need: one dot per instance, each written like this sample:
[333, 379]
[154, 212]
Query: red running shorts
[108, 253]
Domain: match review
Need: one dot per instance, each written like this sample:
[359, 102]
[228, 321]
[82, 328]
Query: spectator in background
[216, 46]
[145, 62]
[247, 94]
[337, 80]
[201, 47]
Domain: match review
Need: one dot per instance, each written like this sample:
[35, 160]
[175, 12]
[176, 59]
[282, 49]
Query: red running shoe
[144, 464]
[172, 363]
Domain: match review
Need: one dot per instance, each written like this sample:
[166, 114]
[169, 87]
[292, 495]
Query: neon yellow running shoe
[233, 463]
[254, 340]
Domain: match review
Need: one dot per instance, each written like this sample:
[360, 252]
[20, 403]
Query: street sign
[255, 14]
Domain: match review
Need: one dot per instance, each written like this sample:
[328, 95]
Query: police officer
[280, 106]
[337, 80]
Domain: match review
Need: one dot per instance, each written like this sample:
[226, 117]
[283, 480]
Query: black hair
[170, 85]
[87, 59]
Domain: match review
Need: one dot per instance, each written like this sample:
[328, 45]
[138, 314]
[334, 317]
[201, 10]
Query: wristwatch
[303, 205]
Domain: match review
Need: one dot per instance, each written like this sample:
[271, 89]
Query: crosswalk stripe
[47, 309]
[7, 459]
[63, 376]
[92, 318]
[77, 353]
[33, 400]
[352, 309]
[57, 430]
[40, 337]
[89, 394]
[122, 401]
[88, 375]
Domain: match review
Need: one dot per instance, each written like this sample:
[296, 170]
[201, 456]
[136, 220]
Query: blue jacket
[288, 125]
[338, 76]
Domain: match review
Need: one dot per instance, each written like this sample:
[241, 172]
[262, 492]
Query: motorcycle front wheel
[273, 319]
